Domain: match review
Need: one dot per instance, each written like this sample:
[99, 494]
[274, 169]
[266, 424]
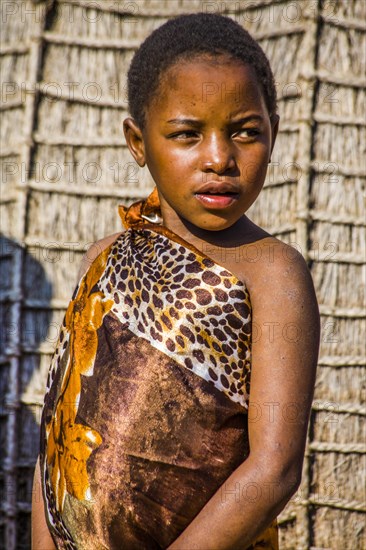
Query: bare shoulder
[285, 310]
[269, 267]
[274, 269]
[94, 250]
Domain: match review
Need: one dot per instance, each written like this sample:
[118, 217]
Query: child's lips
[217, 201]
[217, 194]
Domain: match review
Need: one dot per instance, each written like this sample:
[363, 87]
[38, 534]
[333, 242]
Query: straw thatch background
[65, 168]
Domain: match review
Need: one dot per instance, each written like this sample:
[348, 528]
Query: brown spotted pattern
[185, 305]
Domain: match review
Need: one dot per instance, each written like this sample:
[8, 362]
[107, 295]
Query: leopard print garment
[149, 290]
[184, 304]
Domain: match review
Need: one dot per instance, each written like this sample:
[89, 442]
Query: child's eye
[184, 135]
[247, 132]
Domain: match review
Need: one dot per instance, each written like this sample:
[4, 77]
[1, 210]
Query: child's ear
[134, 140]
[275, 120]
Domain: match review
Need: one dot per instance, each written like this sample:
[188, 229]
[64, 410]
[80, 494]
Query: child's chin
[218, 224]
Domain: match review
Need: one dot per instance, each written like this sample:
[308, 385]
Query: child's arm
[41, 537]
[284, 358]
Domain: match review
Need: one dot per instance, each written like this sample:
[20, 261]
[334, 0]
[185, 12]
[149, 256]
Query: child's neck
[241, 233]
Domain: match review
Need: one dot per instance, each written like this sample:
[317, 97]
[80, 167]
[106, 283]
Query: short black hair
[185, 36]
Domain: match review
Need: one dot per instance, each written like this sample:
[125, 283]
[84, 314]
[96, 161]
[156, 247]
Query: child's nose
[218, 155]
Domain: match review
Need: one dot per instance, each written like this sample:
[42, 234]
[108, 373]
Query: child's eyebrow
[248, 118]
[198, 123]
[190, 121]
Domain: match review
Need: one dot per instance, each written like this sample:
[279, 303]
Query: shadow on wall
[25, 317]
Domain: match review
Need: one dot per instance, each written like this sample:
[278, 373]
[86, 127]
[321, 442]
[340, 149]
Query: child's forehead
[201, 63]
[201, 71]
[208, 81]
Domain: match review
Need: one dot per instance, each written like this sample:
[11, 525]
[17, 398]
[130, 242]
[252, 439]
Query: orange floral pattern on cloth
[69, 443]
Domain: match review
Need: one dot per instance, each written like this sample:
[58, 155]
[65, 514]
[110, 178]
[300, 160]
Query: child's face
[226, 138]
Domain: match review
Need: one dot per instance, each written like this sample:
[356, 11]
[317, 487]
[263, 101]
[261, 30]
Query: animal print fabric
[145, 412]
[185, 305]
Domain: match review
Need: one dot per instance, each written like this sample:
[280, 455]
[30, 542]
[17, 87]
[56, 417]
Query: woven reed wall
[65, 168]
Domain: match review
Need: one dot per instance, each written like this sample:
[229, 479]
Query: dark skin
[230, 138]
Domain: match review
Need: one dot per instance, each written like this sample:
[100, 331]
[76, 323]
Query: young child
[168, 422]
